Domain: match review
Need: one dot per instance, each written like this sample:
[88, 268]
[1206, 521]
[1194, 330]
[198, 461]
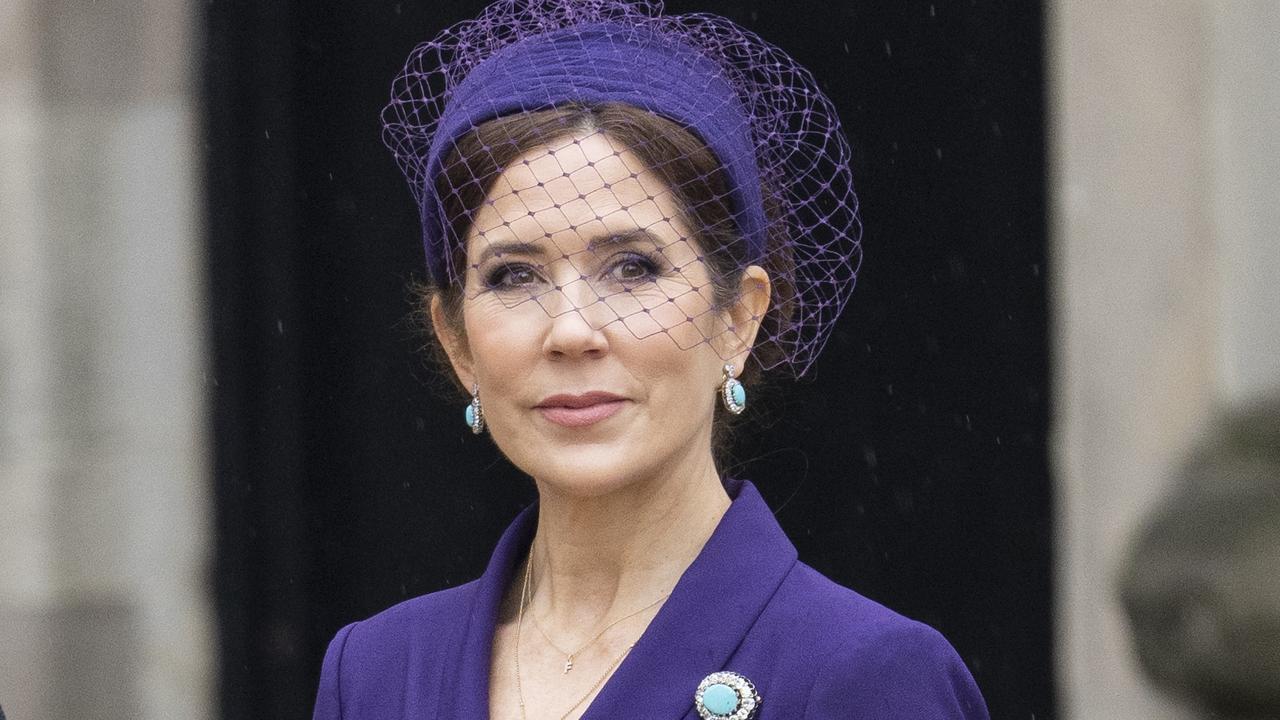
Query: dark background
[910, 464]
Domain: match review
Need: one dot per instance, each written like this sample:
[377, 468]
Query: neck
[596, 559]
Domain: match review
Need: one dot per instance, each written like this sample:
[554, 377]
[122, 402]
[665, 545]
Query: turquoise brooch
[726, 695]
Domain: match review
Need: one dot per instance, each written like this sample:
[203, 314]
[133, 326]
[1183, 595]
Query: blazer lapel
[697, 629]
[712, 607]
[465, 693]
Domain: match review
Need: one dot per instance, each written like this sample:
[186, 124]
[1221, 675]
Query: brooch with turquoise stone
[726, 695]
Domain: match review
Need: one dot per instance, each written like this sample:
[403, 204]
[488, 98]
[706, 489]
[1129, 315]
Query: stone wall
[104, 487]
[1164, 119]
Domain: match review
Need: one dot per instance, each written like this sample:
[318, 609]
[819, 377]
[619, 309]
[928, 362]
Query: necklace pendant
[568, 665]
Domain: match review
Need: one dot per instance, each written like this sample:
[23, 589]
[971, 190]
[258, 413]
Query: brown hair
[676, 155]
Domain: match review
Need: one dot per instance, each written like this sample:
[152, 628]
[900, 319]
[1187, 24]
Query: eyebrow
[639, 235]
[499, 249]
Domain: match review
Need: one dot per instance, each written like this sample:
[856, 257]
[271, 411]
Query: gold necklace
[520, 623]
[569, 656]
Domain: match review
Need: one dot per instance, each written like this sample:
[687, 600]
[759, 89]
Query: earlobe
[454, 345]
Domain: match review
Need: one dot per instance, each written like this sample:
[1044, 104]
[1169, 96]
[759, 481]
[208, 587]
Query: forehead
[573, 189]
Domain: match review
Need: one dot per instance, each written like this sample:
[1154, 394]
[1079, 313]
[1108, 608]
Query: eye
[633, 267]
[510, 275]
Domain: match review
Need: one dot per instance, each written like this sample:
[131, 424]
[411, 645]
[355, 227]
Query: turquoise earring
[732, 392]
[474, 413]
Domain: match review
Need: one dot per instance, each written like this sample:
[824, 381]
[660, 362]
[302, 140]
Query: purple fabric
[595, 64]
[813, 649]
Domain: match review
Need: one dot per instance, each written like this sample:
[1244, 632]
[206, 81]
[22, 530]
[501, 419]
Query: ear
[745, 315]
[454, 345]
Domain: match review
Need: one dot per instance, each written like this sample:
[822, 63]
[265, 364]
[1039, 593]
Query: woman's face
[589, 318]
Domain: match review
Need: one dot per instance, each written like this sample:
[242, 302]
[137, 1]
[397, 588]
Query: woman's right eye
[510, 275]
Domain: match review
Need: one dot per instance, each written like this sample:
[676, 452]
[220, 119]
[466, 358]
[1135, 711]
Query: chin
[583, 471]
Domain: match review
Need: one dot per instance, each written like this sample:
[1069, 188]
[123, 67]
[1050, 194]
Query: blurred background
[220, 440]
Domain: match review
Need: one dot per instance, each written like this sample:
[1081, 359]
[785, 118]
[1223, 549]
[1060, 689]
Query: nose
[577, 319]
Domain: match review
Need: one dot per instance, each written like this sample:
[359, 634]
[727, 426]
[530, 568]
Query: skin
[553, 306]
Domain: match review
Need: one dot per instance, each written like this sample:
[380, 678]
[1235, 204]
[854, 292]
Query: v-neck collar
[694, 633]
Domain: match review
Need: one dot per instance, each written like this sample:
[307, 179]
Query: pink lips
[580, 410]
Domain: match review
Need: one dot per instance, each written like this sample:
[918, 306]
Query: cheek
[678, 378]
[674, 310]
[503, 340]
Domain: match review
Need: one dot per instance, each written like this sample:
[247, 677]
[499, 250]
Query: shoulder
[418, 618]
[405, 629]
[366, 657]
[866, 654]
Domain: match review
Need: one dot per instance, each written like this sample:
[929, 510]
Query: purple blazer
[813, 649]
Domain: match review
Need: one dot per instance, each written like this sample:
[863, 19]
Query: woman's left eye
[633, 268]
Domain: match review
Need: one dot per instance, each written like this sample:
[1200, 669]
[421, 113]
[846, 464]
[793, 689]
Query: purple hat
[781, 195]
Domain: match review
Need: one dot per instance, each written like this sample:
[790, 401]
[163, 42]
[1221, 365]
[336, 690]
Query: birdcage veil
[558, 152]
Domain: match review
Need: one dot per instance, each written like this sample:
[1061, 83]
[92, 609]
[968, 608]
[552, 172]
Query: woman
[626, 217]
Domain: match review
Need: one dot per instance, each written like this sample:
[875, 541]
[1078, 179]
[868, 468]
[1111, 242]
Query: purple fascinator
[602, 158]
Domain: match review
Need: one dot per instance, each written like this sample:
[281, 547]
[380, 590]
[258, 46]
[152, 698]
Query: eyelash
[496, 278]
